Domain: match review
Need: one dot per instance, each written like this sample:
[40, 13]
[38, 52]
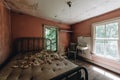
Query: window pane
[54, 47]
[53, 41]
[105, 40]
[111, 49]
[47, 44]
[99, 47]
[48, 47]
[112, 30]
[51, 33]
[100, 31]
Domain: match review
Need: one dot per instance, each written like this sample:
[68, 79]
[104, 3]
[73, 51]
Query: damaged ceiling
[62, 12]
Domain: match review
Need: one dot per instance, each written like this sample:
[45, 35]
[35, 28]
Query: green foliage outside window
[106, 40]
[107, 31]
[51, 33]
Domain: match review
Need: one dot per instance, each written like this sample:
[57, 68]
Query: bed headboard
[30, 44]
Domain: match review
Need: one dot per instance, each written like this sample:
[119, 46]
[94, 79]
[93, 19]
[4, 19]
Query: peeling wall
[5, 33]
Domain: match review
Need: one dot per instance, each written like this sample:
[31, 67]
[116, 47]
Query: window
[106, 39]
[50, 33]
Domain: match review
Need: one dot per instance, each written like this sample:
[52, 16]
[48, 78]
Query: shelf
[66, 31]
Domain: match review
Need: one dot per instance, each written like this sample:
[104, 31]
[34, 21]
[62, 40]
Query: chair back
[72, 46]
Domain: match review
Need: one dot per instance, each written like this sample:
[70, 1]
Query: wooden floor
[97, 73]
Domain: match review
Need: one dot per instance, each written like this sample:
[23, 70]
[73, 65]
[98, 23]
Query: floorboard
[97, 73]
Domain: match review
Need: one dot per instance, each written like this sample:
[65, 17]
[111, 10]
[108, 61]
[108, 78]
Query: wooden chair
[72, 50]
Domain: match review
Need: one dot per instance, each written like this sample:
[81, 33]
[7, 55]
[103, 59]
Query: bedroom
[14, 14]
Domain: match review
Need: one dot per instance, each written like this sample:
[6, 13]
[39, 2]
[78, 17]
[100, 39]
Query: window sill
[105, 66]
[114, 60]
[106, 61]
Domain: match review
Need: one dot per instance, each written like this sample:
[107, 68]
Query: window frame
[93, 32]
[51, 26]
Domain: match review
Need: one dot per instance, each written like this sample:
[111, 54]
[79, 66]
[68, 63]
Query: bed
[34, 62]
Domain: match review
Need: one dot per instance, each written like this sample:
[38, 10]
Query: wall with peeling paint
[5, 33]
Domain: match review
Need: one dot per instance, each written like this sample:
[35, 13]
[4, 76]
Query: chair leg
[68, 55]
[75, 56]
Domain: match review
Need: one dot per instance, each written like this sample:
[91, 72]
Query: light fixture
[69, 3]
[67, 7]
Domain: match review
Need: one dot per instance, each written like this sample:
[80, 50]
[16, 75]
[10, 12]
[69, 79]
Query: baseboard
[106, 67]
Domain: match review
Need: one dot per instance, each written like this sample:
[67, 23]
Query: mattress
[31, 69]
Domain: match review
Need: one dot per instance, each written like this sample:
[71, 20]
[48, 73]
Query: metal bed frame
[30, 44]
[74, 74]
[36, 44]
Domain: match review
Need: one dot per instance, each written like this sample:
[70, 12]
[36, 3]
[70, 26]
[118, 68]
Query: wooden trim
[65, 31]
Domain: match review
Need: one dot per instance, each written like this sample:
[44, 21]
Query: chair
[72, 50]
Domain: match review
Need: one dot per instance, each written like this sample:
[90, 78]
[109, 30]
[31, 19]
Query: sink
[82, 46]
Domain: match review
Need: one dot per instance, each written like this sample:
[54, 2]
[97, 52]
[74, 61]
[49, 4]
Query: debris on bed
[36, 59]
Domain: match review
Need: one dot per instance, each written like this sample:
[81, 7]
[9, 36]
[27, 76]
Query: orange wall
[30, 26]
[5, 33]
[84, 28]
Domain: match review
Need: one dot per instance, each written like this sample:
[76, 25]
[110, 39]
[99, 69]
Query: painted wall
[84, 29]
[30, 26]
[5, 33]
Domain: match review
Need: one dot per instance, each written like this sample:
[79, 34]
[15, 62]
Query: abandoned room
[59, 39]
